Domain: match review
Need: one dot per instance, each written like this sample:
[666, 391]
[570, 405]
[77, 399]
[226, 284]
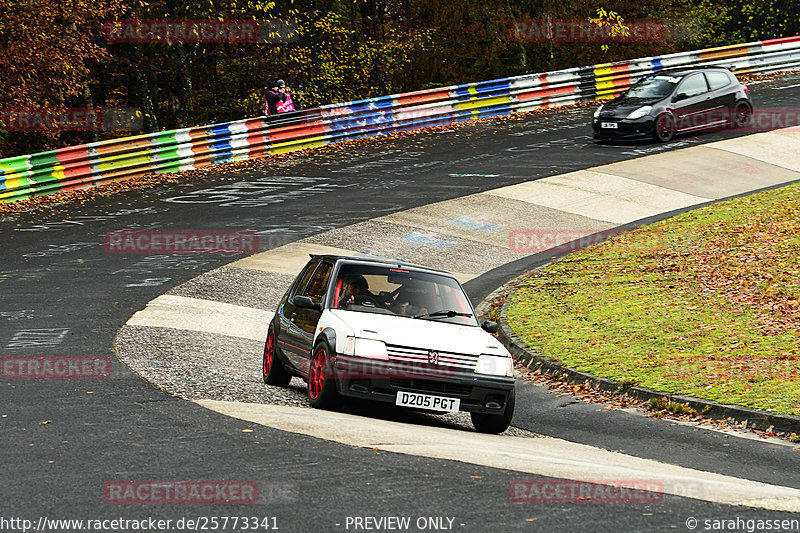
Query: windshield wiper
[447, 313]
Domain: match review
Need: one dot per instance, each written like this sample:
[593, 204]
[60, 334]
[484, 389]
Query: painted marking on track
[153, 263]
[53, 249]
[427, 240]
[541, 456]
[206, 316]
[37, 338]
[86, 219]
[474, 223]
[782, 88]
[259, 193]
[23, 314]
[150, 282]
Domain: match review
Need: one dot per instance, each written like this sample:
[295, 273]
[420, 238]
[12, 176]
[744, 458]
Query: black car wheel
[322, 391]
[495, 423]
[664, 128]
[741, 114]
[274, 373]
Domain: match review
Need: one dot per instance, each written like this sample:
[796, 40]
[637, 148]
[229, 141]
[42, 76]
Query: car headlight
[639, 113]
[368, 348]
[494, 365]
[597, 111]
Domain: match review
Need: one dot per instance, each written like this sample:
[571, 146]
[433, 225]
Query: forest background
[60, 54]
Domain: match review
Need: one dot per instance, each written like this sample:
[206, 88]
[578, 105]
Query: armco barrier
[192, 148]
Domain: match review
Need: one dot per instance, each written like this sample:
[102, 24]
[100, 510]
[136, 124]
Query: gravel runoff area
[195, 365]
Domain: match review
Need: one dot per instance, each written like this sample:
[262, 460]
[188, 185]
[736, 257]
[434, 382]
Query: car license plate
[609, 125]
[427, 401]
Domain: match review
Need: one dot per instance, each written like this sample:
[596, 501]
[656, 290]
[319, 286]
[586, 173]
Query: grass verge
[703, 304]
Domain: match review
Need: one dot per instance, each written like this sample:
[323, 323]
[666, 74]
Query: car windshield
[401, 292]
[653, 87]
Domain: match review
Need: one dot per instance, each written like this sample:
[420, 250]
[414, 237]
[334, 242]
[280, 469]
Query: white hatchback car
[382, 330]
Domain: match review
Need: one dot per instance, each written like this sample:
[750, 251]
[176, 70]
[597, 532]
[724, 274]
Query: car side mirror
[304, 302]
[680, 96]
[489, 326]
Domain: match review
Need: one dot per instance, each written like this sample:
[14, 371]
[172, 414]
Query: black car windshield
[401, 292]
[653, 87]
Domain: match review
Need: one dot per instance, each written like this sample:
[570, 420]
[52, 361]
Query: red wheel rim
[741, 115]
[269, 349]
[664, 126]
[316, 375]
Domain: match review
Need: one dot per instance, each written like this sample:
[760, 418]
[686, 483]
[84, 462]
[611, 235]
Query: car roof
[687, 71]
[379, 261]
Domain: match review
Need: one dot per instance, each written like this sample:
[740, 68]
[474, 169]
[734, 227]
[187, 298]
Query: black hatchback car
[675, 101]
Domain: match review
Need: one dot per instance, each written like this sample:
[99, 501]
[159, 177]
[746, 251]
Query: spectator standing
[277, 99]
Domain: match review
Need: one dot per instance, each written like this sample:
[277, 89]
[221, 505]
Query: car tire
[664, 127]
[272, 369]
[741, 115]
[495, 423]
[322, 393]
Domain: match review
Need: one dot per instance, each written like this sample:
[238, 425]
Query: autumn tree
[48, 52]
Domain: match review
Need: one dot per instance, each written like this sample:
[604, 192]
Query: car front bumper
[626, 129]
[381, 381]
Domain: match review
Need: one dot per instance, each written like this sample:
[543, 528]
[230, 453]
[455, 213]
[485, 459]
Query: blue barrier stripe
[498, 86]
[219, 145]
[656, 62]
[360, 118]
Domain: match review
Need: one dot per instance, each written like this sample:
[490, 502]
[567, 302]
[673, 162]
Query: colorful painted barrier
[192, 148]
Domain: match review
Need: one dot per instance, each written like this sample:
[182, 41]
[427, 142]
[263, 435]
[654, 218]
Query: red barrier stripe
[545, 92]
[256, 139]
[421, 97]
[781, 40]
[73, 154]
[294, 132]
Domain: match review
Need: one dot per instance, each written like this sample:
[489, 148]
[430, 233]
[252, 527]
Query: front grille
[407, 354]
[422, 385]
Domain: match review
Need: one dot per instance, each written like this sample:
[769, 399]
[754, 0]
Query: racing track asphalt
[62, 294]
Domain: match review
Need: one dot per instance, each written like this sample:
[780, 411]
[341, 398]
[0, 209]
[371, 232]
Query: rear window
[717, 80]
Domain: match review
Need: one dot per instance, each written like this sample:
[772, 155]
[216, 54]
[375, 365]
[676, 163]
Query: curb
[752, 418]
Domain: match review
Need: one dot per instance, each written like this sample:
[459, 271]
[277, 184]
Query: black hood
[623, 105]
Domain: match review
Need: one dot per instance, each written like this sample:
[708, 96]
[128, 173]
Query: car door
[722, 97]
[305, 320]
[690, 103]
[287, 315]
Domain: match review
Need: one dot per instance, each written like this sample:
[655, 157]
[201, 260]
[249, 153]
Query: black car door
[689, 105]
[305, 320]
[287, 315]
[722, 97]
